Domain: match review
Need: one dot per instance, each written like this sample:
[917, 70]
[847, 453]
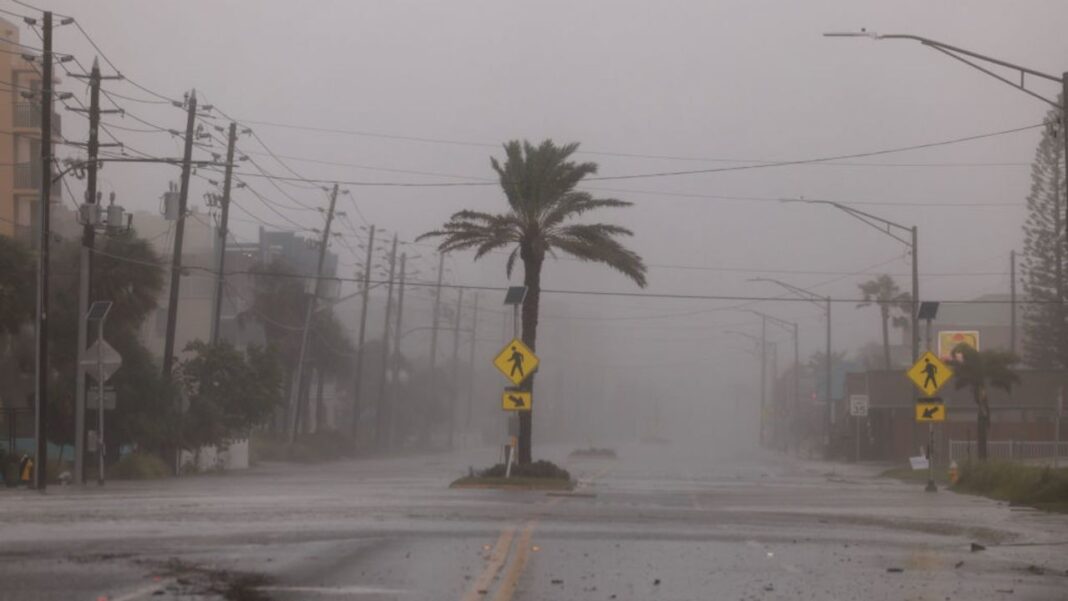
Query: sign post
[858, 408]
[929, 374]
[106, 360]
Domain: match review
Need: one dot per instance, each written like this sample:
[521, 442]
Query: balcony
[27, 176]
[28, 116]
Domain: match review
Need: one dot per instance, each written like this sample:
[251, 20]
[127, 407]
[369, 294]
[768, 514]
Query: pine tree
[1045, 327]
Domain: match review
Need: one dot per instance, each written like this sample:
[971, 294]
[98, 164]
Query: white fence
[232, 457]
[1009, 450]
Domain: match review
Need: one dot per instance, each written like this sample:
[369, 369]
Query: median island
[539, 475]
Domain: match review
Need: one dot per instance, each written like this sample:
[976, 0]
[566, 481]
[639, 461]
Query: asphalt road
[655, 524]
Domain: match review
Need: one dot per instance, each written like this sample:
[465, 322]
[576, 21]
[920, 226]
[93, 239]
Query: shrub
[307, 448]
[139, 466]
[538, 469]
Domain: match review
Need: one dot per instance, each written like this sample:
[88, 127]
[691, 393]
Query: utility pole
[357, 379]
[298, 390]
[763, 373]
[179, 234]
[395, 364]
[829, 414]
[1012, 301]
[223, 232]
[380, 417]
[455, 365]
[471, 364]
[425, 435]
[434, 323]
[90, 216]
[40, 472]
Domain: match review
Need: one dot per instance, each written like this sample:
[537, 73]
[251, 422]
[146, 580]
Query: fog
[371, 93]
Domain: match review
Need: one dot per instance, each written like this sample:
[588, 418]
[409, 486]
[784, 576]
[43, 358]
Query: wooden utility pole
[455, 368]
[395, 362]
[298, 390]
[89, 214]
[471, 365]
[381, 436]
[40, 472]
[179, 235]
[425, 433]
[357, 380]
[223, 232]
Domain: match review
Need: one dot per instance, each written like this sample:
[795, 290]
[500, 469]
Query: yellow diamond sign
[516, 361]
[516, 400]
[929, 373]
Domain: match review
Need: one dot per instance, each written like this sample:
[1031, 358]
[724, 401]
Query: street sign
[516, 361]
[858, 405]
[92, 398]
[516, 400]
[929, 373]
[930, 412]
[110, 358]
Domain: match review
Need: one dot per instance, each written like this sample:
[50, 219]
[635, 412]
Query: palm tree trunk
[884, 311]
[983, 406]
[532, 280]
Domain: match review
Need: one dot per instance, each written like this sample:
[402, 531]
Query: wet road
[656, 523]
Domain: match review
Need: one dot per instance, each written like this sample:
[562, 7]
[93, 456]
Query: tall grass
[1039, 486]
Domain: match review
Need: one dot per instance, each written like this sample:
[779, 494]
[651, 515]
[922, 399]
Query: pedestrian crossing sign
[929, 374]
[516, 361]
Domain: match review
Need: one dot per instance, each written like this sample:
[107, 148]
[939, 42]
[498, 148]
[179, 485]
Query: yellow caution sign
[930, 412]
[516, 400]
[516, 361]
[929, 373]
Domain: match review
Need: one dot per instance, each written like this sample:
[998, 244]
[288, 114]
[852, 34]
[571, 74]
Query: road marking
[337, 590]
[137, 594]
[519, 563]
[496, 562]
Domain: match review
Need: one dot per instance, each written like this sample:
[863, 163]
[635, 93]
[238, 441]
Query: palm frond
[595, 242]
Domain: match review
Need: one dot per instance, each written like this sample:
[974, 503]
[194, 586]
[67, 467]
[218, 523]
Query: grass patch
[307, 448]
[539, 475]
[519, 483]
[593, 452]
[1037, 486]
[138, 466]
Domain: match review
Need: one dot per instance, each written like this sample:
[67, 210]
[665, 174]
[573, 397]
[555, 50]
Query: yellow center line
[496, 562]
[497, 559]
[519, 563]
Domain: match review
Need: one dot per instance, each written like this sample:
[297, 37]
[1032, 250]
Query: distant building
[20, 138]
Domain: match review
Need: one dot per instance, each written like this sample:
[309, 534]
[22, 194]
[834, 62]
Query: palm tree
[539, 185]
[980, 370]
[884, 292]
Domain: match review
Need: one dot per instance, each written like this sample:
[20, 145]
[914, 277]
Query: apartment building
[20, 136]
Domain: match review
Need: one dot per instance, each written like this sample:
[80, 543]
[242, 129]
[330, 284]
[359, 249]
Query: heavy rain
[598, 300]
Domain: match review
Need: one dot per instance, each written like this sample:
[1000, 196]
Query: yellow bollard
[954, 474]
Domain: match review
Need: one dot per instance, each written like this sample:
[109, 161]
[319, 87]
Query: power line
[753, 162]
[662, 174]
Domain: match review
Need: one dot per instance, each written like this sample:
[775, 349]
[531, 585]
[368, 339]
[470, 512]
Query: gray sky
[713, 81]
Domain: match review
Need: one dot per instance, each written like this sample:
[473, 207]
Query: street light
[790, 327]
[761, 343]
[960, 53]
[825, 304]
[895, 231]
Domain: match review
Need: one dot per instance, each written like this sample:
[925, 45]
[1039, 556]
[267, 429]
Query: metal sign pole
[100, 401]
